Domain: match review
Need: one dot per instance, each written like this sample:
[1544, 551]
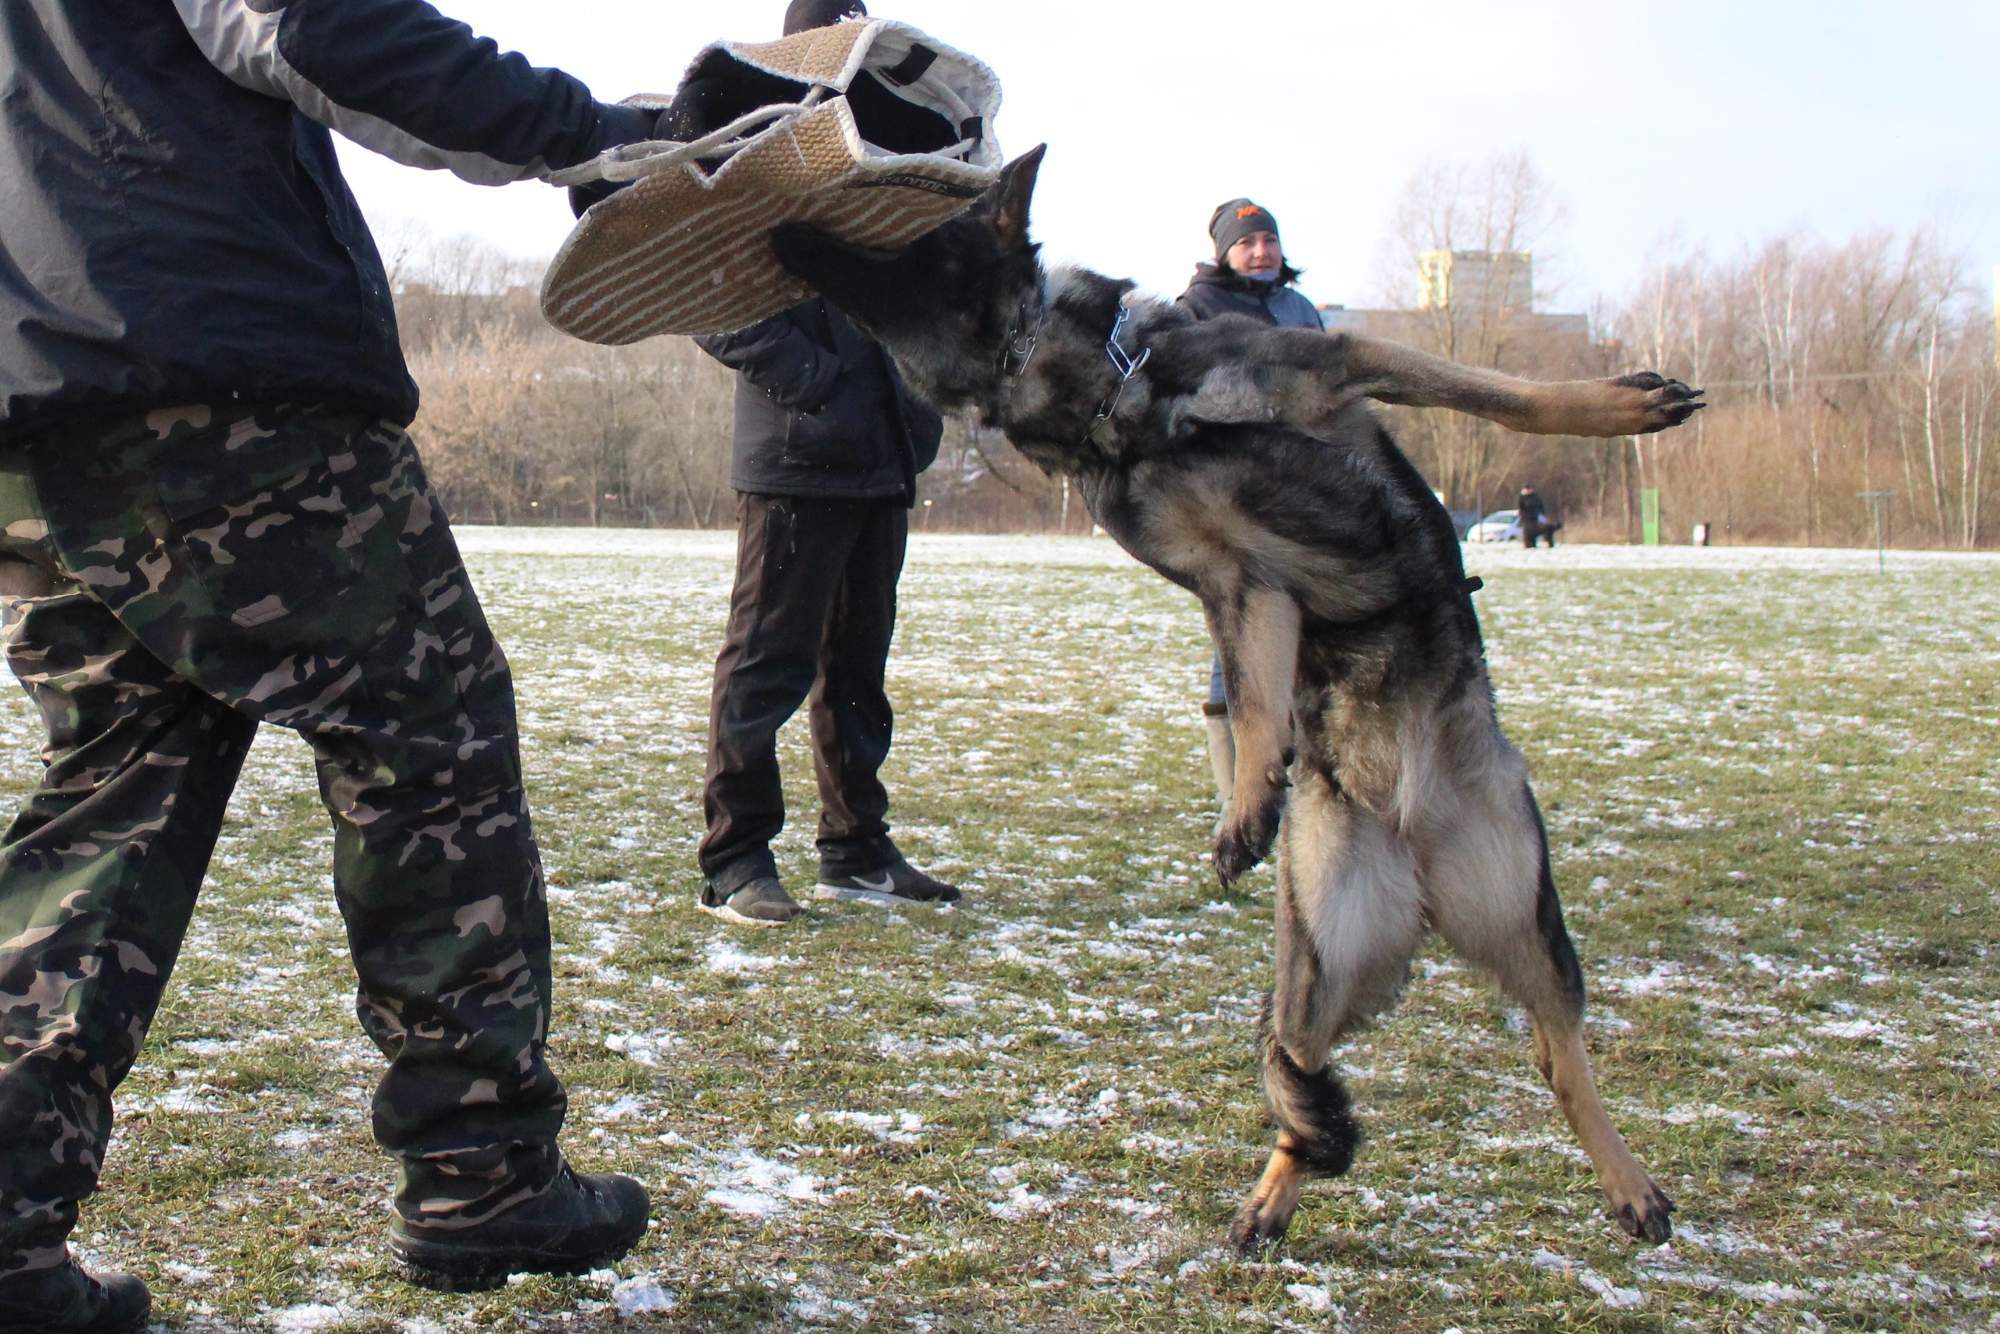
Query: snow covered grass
[1773, 787]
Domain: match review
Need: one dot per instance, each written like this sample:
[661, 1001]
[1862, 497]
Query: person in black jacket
[210, 517]
[1534, 519]
[825, 457]
[1251, 278]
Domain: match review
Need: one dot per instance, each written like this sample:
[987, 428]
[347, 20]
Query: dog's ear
[1011, 194]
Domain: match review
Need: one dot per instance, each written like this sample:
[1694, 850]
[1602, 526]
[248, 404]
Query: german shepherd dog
[1240, 462]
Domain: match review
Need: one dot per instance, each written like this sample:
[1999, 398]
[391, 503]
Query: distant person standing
[1533, 518]
[1249, 277]
[827, 447]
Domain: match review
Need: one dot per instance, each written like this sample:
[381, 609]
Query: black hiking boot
[68, 1299]
[578, 1224]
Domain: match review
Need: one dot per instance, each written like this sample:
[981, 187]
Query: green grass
[1773, 791]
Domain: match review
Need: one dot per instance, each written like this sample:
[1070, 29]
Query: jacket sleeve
[925, 426]
[400, 78]
[779, 357]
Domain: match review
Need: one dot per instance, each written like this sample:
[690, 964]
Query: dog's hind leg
[1489, 891]
[1347, 924]
[1256, 630]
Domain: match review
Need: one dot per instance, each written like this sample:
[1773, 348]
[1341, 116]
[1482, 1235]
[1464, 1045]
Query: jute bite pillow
[869, 130]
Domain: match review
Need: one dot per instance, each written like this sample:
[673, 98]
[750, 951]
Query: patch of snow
[1621, 1299]
[185, 1101]
[314, 1316]
[1146, 1142]
[757, 1187]
[642, 1296]
[1021, 1203]
[725, 957]
[814, 1307]
[1313, 1297]
[900, 1127]
[1663, 977]
[1856, 1030]
[626, 1107]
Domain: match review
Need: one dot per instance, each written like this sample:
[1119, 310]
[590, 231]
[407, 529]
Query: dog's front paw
[1652, 402]
[1257, 1229]
[1648, 1218]
[1248, 831]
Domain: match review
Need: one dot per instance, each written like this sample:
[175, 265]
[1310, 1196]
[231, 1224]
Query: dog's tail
[1311, 1109]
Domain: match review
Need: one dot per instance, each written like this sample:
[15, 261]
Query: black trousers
[810, 620]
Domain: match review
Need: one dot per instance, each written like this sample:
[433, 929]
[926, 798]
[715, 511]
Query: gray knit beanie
[1235, 220]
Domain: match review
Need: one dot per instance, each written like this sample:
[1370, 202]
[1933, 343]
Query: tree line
[1836, 371]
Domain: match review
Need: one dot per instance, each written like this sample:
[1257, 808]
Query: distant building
[1481, 303]
[1498, 281]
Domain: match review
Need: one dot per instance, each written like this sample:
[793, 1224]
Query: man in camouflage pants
[175, 231]
[155, 627]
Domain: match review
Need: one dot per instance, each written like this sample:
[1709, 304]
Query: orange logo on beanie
[1248, 211]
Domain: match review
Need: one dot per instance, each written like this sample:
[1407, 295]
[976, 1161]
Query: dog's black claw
[1232, 859]
[1252, 1237]
[1650, 1219]
[1247, 839]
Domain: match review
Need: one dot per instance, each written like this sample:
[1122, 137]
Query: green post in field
[1649, 516]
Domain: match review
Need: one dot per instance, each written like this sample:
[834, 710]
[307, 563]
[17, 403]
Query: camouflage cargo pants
[168, 583]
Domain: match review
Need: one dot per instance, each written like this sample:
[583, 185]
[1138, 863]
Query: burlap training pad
[684, 250]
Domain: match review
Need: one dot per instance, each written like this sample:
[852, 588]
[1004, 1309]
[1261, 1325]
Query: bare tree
[1469, 232]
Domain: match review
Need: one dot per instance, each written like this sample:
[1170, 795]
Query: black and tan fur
[1240, 462]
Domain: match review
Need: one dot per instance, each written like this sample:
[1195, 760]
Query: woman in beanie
[1251, 278]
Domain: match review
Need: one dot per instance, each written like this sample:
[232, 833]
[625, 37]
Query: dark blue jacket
[820, 410]
[174, 227]
[1217, 290]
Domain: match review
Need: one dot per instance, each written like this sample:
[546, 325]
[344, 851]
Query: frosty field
[1772, 780]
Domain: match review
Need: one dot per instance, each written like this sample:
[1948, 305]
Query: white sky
[1721, 121]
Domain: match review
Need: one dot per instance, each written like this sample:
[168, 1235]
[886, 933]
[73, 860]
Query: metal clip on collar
[1125, 364]
[1020, 346]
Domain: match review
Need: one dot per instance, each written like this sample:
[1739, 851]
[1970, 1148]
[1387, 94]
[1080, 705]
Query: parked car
[1499, 526]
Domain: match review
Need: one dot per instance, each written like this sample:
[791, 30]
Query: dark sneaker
[892, 886]
[578, 1224]
[762, 902]
[69, 1299]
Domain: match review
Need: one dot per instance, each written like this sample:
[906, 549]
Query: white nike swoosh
[888, 885]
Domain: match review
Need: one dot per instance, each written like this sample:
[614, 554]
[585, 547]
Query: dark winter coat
[174, 227]
[1218, 290]
[820, 410]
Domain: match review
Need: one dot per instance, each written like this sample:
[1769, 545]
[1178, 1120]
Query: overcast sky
[1724, 122]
